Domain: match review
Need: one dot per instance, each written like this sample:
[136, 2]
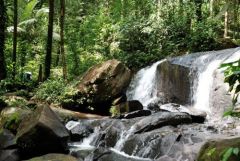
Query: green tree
[48, 57]
[3, 73]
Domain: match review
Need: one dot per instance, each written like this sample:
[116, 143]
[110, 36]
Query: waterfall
[201, 95]
[143, 85]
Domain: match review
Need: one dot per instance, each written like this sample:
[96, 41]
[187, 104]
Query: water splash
[143, 85]
[205, 80]
[123, 137]
[86, 143]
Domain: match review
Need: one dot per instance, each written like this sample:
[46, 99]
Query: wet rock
[7, 140]
[54, 157]
[134, 114]
[166, 158]
[8, 146]
[220, 97]
[151, 144]
[102, 154]
[197, 116]
[174, 82]
[153, 107]
[42, 133]
[161, 119]
[129, 106]
[78, 131]
[100, 85]
[9, 155]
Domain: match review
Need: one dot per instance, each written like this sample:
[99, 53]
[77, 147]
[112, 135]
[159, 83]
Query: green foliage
[50, 90]
[114, 111]
[56, 91]
[12, 122]
[230, 152]
[232, 77]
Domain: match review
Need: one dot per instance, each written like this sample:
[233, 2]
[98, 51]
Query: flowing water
[143, 87]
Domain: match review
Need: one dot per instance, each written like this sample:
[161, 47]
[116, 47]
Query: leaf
[236, 151]
[28, 10]
[227, 154]
[228, 112]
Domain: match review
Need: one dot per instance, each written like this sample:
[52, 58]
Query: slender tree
[62, 51]
[3, 73]
[225, 35]
[48, 58]
[15, 24]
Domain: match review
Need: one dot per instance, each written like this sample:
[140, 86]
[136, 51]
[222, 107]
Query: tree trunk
[62, 51]
[3, 73]
[225, 35]
[211, 8]
[48, 58]
[14, 55]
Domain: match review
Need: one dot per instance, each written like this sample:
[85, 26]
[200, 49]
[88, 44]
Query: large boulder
[100, 85]
[41, 133]
[159, 120]
[174, 82]
[54, 157]
[216, 149]
[8, 146]
[197, 116]
[11, 117]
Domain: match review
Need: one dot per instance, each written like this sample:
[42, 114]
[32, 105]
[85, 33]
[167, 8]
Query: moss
[114, 111]
[215, 150]
[12, 122]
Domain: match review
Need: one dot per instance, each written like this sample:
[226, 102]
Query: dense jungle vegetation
[62, 39]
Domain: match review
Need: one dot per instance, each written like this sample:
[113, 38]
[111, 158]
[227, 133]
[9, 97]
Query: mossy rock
[214, 150]
[11, 117]
[54, 157]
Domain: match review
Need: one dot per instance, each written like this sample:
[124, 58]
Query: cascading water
[201, 95]
[123, 140]
[143, 85]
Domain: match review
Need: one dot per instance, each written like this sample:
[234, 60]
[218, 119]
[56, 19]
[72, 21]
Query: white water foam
[129, 156]
[201, 96]
[143, 86]
[123, 137]
[205, 80]
[85, 144]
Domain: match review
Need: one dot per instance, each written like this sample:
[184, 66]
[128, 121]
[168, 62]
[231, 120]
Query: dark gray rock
[129, 106]
[134, 114]
[102, 154]
[9, 155]
[78, 131]
[42, 133]
[197, 116]
[161, 119]
[7, 140]
[174, 82]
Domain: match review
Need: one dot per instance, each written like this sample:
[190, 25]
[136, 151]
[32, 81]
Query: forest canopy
[64, 38]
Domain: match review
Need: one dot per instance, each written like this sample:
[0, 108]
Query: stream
[164, 135]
